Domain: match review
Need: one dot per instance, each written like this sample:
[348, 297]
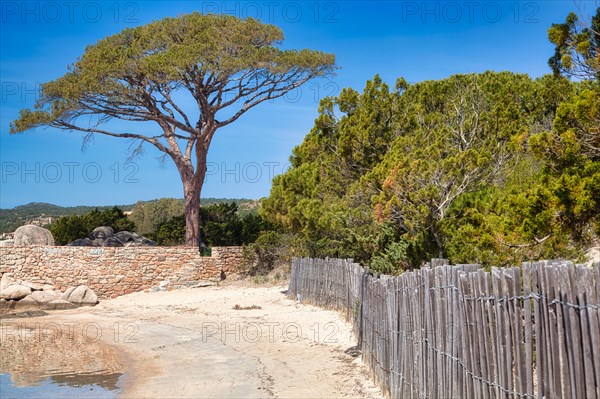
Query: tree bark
[191, 199]
[438, 242]
[192, 189]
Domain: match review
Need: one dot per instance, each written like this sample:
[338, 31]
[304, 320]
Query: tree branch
[538, 241]
[61, 124]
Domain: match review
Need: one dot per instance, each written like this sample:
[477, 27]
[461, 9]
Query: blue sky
[414, 39]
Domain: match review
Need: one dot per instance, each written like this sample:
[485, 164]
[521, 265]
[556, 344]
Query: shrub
[270, 250]
[69, 228]
[394, 260]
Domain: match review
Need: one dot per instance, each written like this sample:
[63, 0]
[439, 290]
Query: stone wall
[228, 259]
[112, 272]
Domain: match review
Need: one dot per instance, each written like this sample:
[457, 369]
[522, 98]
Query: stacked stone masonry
[112, 272]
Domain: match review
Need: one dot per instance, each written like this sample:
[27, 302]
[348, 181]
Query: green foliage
[261, 256]
[401, 159]
[221, 225]
[252, 224]
[145, 218]
[271, 249]
[313, 199]
[171, 232]
[70, 228]
[393, 260]
[571, 173]
[12, 218]
[149, 215]
[458, 140]
[577, 51]
[223, 64]
[492, 168]
[166, 53]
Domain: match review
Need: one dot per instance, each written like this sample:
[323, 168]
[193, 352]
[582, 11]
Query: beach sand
[193, 343]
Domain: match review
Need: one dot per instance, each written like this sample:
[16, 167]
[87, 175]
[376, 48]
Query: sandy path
[191, 343]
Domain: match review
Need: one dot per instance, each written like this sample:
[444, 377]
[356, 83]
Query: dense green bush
[269, 250]
[220, 225]
[171, 232]
[393, 261]
[491, 168]
[69, 228]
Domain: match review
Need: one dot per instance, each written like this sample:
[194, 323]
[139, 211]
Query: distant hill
[245, 205]
[12, 218]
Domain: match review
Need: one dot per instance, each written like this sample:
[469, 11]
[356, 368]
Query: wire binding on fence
[521, 315]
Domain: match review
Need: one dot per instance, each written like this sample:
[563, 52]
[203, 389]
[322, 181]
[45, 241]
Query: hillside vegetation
[11, 218]
[490, 168]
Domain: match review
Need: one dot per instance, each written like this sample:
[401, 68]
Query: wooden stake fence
[460, 332]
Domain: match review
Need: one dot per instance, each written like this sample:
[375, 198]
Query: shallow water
[64, 386]
[39, 362]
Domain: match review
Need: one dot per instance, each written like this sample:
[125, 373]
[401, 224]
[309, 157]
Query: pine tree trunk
[438, 242]
[192, 189]
[191, 198]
